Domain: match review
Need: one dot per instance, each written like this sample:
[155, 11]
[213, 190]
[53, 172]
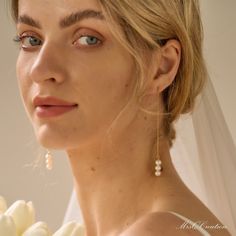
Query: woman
[105, 81]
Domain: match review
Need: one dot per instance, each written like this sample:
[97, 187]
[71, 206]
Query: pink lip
[50, 106]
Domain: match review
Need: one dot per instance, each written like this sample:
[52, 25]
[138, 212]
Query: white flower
[70, 229]
[3, 205]
[19, 218]
[23, 215]
[37, 229]
[7, 226]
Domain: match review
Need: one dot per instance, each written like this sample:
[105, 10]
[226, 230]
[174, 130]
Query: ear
[166, 67]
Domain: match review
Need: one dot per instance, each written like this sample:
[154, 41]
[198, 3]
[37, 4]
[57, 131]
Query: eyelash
[19, 40]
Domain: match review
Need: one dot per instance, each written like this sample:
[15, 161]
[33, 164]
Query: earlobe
[167, 69]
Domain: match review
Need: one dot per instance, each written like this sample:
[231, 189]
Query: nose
[48, 65]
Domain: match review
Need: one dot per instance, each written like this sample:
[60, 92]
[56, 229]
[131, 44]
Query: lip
[47, 107]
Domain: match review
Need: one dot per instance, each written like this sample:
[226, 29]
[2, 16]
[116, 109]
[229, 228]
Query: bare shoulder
[160, 223]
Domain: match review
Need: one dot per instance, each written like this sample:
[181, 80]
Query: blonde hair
[144, 25]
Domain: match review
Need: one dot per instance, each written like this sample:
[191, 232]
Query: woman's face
[75, 59]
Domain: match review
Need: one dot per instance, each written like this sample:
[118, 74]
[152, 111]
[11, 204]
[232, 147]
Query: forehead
[39, 13]
[56, 7]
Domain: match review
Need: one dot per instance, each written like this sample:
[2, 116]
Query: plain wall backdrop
[50, 191]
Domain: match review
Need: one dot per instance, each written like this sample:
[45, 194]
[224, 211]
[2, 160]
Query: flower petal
[70, 229]
[7, 226]
[23, 215]
[38, 229]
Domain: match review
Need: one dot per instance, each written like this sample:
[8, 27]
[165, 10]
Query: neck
[116, 184]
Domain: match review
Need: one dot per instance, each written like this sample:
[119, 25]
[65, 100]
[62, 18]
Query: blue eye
[33, 41]
[89, 40]
[28, 41]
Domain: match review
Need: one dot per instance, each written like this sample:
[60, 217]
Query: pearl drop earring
[158, 163]
[158, 168]
[49, 160]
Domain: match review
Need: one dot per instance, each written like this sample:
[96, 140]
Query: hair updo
[145, 25]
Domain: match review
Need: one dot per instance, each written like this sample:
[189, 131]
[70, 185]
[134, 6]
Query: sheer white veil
[204, 155]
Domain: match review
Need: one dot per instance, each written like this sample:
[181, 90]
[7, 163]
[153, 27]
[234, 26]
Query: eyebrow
[65, 22]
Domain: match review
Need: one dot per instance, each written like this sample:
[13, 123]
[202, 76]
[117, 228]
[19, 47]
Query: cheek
[110, 75]
[24, 83]
[103, 86]
[109, 90]
[120, 80]
[102, 77]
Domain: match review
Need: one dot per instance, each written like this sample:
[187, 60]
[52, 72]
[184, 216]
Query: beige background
[50, 191]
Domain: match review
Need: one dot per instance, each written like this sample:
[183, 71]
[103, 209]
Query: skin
[114, 174]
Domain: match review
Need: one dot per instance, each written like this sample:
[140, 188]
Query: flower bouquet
[19, 220]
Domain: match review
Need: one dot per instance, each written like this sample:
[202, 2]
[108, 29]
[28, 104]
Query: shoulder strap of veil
[204, 155]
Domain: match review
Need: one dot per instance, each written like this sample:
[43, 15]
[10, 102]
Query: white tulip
[3, 205]
[23, 214]
[7, 226]
[38, 229]
[70, 229]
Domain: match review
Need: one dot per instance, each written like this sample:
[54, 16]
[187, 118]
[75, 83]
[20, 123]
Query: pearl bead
[158, 162]
[49, 161]
[157, 167]
[157, 173]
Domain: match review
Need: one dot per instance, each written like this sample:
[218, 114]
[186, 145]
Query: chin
[51, 139]
[57, 139]
[49, 143]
